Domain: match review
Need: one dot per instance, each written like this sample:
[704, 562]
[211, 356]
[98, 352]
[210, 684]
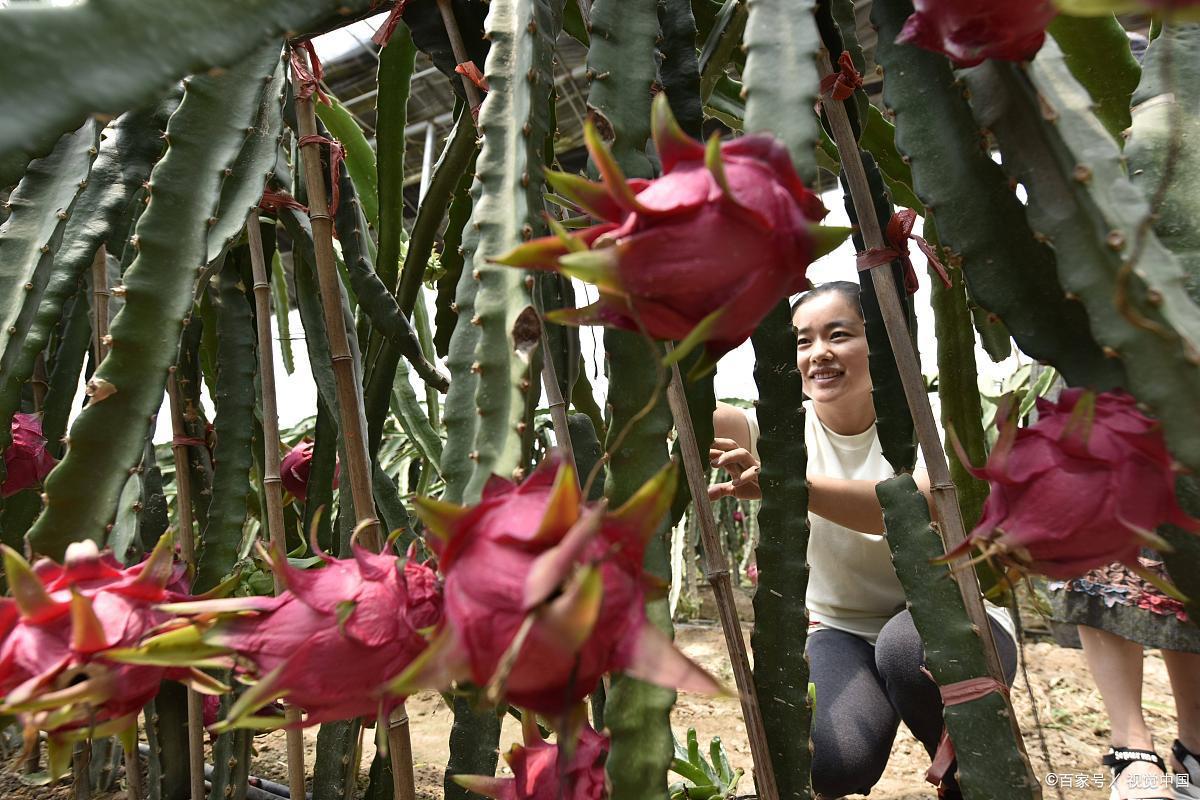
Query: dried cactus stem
[187, 545]
[716, 572]
[944, 495]
[350, 405]
[133, 775]
[272, 484]
[81, 782]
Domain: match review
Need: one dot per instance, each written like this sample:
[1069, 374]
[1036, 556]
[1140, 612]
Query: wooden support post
[272, 483]
[349, 387]
[716, 571]
[187, 546]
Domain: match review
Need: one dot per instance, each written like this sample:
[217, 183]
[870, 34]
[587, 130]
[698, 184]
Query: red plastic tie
[190, 441]
[384, 34]
[337, 154]
[840, 85]
[471, 72]
[899, 232]
[272, 202]
[309, 79]
[954, 694]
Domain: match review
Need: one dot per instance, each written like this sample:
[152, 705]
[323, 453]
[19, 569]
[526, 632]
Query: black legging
[864, 691]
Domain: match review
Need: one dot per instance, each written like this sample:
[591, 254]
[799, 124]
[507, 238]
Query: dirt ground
[1072, 717]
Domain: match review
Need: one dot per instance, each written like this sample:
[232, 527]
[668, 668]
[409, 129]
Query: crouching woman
[865, 656]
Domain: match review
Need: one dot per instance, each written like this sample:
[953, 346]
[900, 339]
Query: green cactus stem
[40, 208]
[136, 50]
[992, 762]
[1097, 52]
[452, 165]
[243, 186]
[514, 123]
[680, 68]
[1081, 200]
[722, 44]
[204, 138]
[231, 759]
[980, 219]
[166, 734]
[780, 613]
[993, 336]
[428, 29]
[622, 65]
[127, 153]
[958, 384]
[360, 157]
[457, 215]
[68, 354]
[396, 62]
[234, 398]
[1167, 111]
[782, 39]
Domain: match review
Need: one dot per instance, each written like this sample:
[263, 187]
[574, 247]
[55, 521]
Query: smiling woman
[864, 654]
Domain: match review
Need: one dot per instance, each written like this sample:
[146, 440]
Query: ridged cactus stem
[350, 401]
[271, 482]
[100, 295]
[133, 776]
[446, 9]
[716, 572]
[945, 498]
[187, 546]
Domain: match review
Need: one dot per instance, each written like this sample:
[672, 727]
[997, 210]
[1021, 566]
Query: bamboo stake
[272, 483]
[40, 382]
[349, 388]
[716, 571]
[460, 51]
[187, 547]
[100, 295]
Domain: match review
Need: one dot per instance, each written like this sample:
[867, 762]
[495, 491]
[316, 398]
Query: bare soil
[1072, 717]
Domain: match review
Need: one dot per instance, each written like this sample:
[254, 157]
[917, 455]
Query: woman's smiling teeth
[824, 376]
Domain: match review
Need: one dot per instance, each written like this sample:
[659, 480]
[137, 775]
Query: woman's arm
[853, 503]
[849, 503]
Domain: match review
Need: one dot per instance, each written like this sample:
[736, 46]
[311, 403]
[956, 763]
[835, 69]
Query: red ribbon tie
[953, 694]
[840, 85]
[309, 79]
[337, 154]
[899, 232]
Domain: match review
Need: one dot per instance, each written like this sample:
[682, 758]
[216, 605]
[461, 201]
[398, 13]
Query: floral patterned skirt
[1116, 600]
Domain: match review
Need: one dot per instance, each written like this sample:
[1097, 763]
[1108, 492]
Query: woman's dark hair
[849, 290]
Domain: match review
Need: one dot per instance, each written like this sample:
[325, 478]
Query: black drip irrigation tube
[256, 789]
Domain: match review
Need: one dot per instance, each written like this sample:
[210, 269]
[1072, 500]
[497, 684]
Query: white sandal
[1119, 758]
[1187, 783]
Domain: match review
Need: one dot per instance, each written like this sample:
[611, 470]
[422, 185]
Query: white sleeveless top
[852, 585]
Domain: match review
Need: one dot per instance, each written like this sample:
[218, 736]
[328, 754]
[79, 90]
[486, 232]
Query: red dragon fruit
[26, 462]
[545, 595]
[700, 254]
[327, 645]
[1083, 487]
[295, 467]
[544, 771]
[64, 631]
[969, 31]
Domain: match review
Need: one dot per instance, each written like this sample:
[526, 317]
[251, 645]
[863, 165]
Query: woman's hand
[741, 467]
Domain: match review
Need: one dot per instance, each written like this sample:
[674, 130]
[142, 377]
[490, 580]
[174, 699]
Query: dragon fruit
[64, 632]
[544, 771]
[969, 31]
[544, 595]
[700, 254]
[327, 645]
[295, 467]
[1083, 487]
[26, 462]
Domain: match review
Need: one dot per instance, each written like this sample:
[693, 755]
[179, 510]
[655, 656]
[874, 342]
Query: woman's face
[831, 351]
